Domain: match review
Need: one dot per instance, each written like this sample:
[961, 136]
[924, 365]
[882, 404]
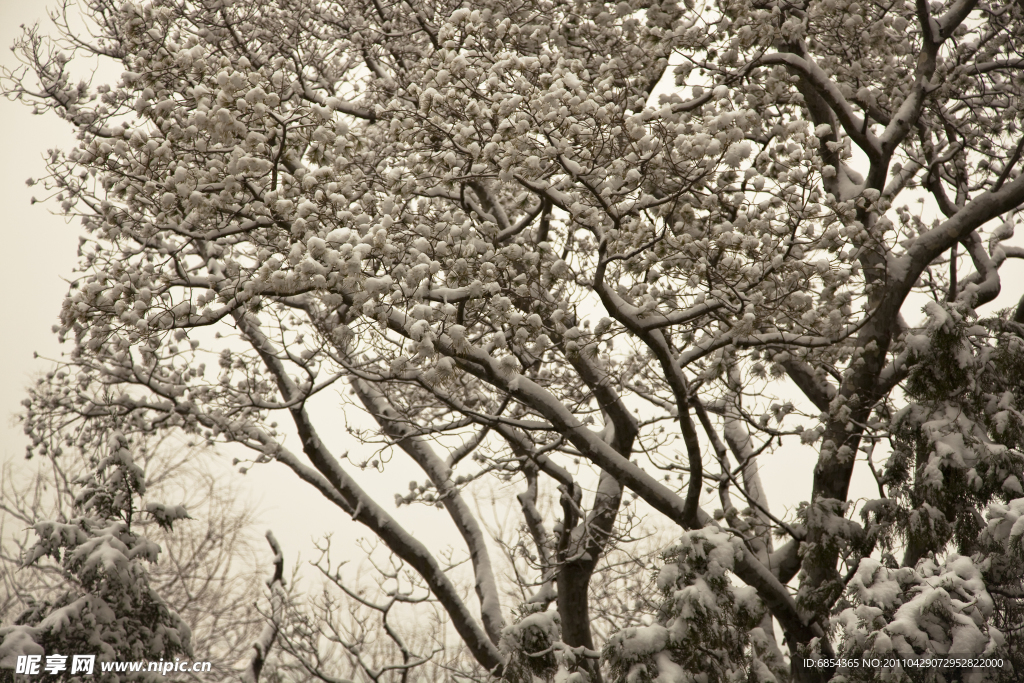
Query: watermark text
[86, 665]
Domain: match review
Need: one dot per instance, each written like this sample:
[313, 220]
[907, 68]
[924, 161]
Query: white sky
[39, 248]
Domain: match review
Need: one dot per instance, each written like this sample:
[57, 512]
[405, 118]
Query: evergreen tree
[109, 609]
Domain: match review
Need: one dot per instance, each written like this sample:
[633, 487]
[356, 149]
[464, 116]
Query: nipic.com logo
[85, 665]
[55, 664]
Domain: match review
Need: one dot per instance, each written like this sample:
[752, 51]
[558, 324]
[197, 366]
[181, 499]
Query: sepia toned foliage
[632, 253]
[104, 604]
[205, 567]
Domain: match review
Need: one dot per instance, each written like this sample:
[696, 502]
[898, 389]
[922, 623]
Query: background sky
[38, 255]
[37, 247]
[38, 252]
[37, 259]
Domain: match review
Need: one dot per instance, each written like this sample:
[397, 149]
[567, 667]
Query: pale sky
[39, 249]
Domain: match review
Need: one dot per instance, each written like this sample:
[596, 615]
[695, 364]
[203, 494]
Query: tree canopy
[612, 250]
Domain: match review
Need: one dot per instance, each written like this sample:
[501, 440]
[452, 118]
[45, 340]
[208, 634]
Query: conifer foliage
[108, 608]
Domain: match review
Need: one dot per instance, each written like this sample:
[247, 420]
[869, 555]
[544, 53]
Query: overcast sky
[39, 250]
[39, 253]
[37, 246]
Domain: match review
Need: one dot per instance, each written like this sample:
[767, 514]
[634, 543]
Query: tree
[529, 233]
[206, 567]
[106, 607]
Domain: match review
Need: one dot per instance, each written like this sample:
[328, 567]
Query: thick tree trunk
[574, 609]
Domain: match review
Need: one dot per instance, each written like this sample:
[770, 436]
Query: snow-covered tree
[208, 570]
[613, 250]
[107, 607]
